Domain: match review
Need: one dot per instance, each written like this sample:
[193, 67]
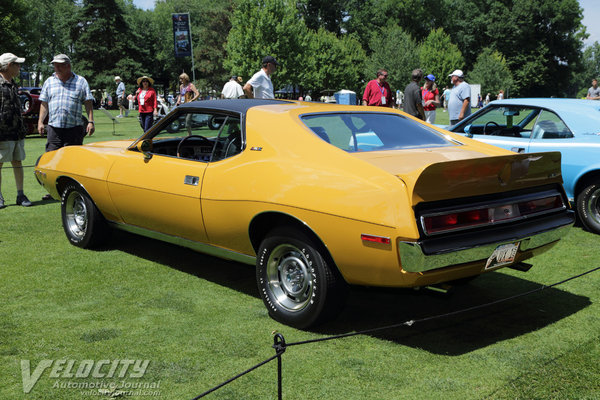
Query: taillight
[476, 217]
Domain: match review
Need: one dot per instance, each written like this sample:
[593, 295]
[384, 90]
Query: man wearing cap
[260, 85]
[62, 96]
[459, 104]
[120, 96]
[12, 130]
[232, 89]
[378, 92]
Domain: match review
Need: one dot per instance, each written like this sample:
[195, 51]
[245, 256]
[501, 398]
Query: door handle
[518, 149]
[191, 180]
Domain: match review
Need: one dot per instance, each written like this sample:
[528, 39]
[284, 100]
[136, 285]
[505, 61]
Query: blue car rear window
[354, 132]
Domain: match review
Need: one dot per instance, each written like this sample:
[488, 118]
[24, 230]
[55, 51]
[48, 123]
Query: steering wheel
[489, 123]
[186, 138]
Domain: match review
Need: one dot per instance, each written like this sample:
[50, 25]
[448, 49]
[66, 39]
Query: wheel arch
[264, 222]
[584, 180]
[63, 181]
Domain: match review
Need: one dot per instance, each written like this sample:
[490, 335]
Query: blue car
[570, 126]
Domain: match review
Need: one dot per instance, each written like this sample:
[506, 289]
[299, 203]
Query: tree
[267, 27]
[102, 44]
[332, 63]
[327, 14]
[13, 24]
[395, 51]
[490, 70]
[210, 24]
[439, 56]
[589, 68]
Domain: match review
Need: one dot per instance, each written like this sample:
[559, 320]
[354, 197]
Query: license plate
[503, 255]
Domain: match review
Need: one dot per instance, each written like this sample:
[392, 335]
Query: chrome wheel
[289, 276]
[76, 214]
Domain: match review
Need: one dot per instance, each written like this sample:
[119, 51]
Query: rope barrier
[280, 345]
[22, 166]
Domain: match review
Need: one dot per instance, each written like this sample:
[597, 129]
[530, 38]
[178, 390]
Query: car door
[161, 191]
[505, 126]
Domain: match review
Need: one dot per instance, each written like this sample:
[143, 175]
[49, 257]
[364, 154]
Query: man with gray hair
[120, 96]
[12, 130]
[413, 99]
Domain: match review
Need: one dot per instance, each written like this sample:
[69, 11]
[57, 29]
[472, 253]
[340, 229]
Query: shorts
[120, 102]
[12, 150]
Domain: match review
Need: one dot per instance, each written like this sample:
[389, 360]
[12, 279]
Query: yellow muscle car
[318, 196]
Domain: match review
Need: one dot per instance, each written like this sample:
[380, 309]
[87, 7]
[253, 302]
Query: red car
[30, 108]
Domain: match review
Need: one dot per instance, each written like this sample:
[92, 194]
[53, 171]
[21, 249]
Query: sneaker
[22, 200]
[119, 116]
[2, 205]
[47, 196]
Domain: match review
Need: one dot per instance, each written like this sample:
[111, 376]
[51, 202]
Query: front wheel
[298, 286]
[84, 225]
[588, 207]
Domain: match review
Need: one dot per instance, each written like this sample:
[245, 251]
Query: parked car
[291, 188]
[30, 108]
[567, 125]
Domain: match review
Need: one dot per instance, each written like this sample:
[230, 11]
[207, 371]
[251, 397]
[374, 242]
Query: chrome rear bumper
[414, 257]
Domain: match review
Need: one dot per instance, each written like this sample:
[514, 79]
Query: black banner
[181, 35]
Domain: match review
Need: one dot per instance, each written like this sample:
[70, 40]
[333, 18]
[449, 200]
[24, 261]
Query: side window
[550, 126]
[199, 136]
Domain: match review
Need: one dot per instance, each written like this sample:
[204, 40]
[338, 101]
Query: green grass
[199, 320]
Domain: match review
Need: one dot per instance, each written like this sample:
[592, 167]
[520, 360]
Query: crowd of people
[65, 93]
[422, 101]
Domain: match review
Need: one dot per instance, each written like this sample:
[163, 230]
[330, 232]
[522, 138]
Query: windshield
[354, 132]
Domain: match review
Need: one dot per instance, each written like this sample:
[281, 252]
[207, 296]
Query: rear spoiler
[479, 176]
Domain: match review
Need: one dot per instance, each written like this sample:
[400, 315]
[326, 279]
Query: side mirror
[145, 147]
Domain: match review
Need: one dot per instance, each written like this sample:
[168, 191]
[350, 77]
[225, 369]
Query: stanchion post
[279, 346]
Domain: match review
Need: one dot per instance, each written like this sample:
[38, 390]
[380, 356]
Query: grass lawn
[199, 320]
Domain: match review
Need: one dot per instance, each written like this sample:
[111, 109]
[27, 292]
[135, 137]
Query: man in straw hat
[12, 130]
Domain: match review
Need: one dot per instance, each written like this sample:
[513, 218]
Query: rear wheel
[298, 286]
[84, 225]
[588, 207]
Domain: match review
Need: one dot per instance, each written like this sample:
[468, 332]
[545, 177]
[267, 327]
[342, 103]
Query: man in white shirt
[260, 85]
[232, 89]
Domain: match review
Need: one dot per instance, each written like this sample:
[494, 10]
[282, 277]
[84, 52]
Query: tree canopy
[534, 47]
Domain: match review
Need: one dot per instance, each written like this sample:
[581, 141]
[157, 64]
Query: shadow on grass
[369, 308]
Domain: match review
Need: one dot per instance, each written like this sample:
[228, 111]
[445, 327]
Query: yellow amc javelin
[317, 196]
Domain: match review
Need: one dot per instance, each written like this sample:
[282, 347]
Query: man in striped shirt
[62, 97]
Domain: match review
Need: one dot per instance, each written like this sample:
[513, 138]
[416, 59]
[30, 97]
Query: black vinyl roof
[232, 105]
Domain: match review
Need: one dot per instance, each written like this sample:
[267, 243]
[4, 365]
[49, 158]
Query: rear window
[354, 132]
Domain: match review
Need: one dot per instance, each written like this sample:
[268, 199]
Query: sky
[591, 13]
[144, 4]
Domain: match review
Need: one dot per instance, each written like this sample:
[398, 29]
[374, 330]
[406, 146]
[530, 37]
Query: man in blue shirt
[61, 98]
[120, 96]
[459, 103]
